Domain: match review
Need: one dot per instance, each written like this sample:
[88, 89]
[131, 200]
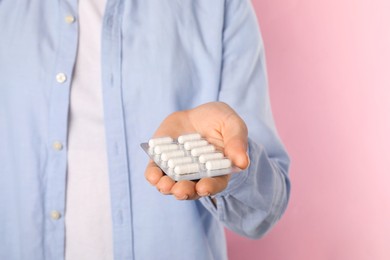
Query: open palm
[221, 126]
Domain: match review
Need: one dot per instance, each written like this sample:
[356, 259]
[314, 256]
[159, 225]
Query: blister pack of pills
[189, 157]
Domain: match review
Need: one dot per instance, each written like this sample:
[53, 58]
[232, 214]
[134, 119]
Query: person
[83, 83]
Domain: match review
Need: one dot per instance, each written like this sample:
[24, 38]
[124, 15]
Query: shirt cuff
[236, 181]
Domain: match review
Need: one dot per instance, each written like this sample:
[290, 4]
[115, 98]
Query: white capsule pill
[190, 137]
[165, 156]
[187, 168]
[165, 148]
[179, 160]
[210, 156]
[218, 164]
[203, 149]
[161, 140]
[193, 144]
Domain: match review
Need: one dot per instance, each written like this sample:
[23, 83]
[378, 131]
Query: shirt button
[57, 146]
[61, 77]
[55, 215]
[70, 19]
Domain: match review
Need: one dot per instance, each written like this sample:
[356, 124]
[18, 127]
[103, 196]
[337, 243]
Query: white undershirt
[88, 224]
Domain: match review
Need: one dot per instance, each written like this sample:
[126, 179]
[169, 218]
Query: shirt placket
[58, 130]
[115, 131]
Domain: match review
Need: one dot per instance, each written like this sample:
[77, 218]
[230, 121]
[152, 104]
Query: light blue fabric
[158, 56]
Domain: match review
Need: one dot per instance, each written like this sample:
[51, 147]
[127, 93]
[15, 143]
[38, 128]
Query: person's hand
[221, 126]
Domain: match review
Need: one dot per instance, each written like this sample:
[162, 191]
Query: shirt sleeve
[256, 197]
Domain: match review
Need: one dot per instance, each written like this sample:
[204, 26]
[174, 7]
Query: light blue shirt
[158, 56]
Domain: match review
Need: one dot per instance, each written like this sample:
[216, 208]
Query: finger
[212, 186]
[153, 173]
[235, 136]
[236, 151]
[184, 190]
[165, 185]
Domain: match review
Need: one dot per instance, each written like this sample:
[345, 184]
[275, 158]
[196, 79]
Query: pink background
[329, 72]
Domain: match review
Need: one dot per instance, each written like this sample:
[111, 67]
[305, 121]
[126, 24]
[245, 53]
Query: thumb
[235, 138]
[236, 150]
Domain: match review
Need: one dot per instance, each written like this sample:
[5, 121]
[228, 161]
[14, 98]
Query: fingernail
[249, 159]
[153, 183]
[163, 192]
[182, 198]
[204, 194]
